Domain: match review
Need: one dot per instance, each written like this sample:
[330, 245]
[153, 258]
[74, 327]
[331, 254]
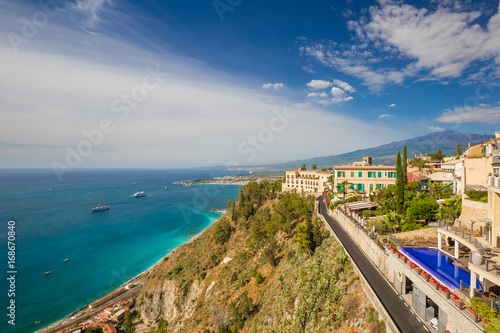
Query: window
[371, 174]
[371, 187]
[360, 187]
[352, 186]
[341, 173]
[379, 174]
[360, 174]
[392, 175]
[385, 174]
[352, 174]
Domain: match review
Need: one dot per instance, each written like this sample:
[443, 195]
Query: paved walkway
[405, 319]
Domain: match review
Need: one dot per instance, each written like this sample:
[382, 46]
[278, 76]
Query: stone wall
[473, 210]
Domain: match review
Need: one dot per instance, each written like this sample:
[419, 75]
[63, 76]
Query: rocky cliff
[266, 266]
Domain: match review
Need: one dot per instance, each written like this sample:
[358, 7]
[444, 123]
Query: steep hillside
[386, 154]
[267, 265]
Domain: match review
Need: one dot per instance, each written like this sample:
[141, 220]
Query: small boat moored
[139, 194]
[66, 259]
[47, 273]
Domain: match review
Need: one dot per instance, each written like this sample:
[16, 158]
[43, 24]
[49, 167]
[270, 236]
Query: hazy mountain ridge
[386, 154]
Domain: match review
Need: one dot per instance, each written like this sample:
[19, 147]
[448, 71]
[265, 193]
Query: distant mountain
[386, 154]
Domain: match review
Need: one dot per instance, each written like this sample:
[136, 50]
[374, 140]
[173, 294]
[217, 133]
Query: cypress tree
[405, 166]
[399, 185]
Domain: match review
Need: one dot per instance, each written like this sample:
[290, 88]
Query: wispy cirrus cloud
[483, 113]
[384, 115]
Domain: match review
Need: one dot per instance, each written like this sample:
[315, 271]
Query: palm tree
[343, 185]
[451, 209]
[393, 222]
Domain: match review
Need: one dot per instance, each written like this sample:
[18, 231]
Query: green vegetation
[127, 323]
[482, 309]
[399, 185]
[405, 166]
[285, 273]
[407, 207]
[93, 330]
[458, 150]
[437, 156]
[474, 195]
[162, 324]
[451, 209]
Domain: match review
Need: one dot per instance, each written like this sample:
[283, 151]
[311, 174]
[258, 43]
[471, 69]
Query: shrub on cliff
[222, 232]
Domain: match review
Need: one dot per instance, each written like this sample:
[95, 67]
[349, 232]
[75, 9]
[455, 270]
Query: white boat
[100, 208]
[139, 194]
[166, 188]
[66, 259]
[47, 273]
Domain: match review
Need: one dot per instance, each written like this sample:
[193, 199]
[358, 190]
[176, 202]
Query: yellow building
[309, 181]
[364, 179]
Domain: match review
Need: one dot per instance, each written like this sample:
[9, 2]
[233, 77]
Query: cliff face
[265, 266]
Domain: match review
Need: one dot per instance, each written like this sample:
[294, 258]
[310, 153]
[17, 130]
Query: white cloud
[466, 114]
[438, 43]
[319, 84]
[385, 115]
[344, 85]
[391, 105]
[354, 61]
[317, 94]
[444, 41]
[434, 129]
[274, 86]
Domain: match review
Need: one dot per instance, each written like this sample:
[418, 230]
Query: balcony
[494, 181]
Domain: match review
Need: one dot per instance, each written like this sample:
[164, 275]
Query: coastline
[68, 318]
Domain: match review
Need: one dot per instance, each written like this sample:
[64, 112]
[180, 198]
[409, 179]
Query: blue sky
[167, 84]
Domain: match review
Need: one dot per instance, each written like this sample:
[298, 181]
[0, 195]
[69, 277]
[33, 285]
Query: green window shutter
[352, 174]
[360, 174]
[379, 174]
[362, 187]
[371, 186]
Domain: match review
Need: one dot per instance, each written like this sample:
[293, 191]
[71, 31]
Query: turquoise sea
[53, 221]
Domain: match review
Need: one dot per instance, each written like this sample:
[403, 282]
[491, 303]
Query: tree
[451, 209]
[127, 323]
[343, 188]
[399, 185]
[303, 167]
[422, 209]
[405, 166]
[93, 330]
[393, 222]
[458, 150]
[315, 167]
